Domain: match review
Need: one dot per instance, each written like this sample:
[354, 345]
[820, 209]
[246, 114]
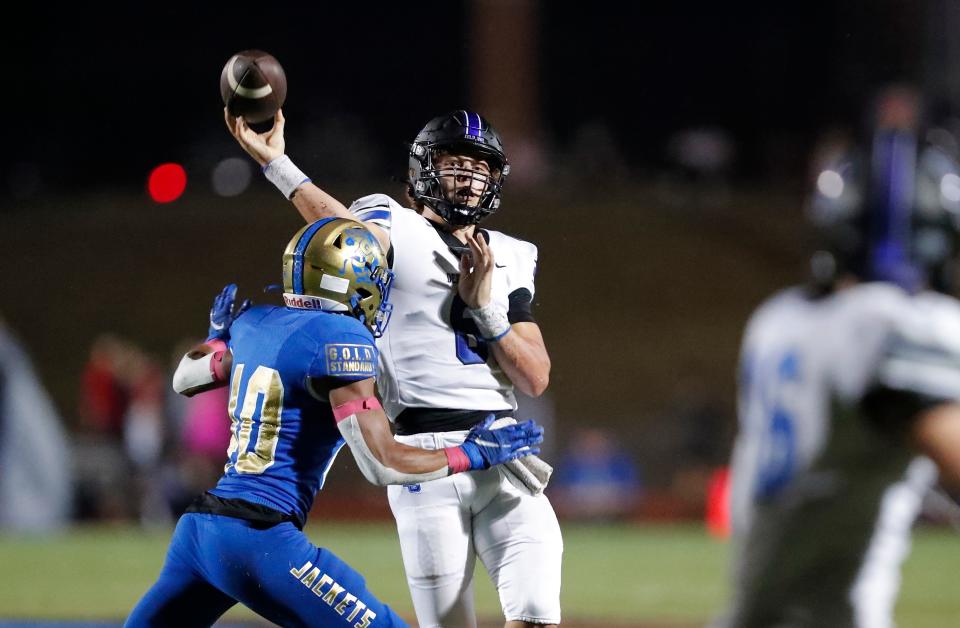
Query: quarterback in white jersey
[462, 336]
[844, 386]
[435, 351]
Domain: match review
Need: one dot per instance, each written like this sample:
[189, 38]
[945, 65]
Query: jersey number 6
[470, 348]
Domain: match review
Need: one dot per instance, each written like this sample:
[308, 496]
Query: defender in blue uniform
[301, 383]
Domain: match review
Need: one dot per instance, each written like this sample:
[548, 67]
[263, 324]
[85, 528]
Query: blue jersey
[283, 434]
[284, 439]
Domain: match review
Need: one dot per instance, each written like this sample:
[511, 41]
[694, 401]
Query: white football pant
[445, 524]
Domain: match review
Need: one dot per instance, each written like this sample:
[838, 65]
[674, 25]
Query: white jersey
[430, 356]
[823, 498]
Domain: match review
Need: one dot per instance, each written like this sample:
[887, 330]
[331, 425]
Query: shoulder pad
[923, 354]
[521, 249]
[372, 201]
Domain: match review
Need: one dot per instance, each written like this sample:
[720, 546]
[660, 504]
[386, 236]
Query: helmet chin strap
[449, 211]
[471, 216]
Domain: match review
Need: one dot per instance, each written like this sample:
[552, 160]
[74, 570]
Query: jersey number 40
[264, 393]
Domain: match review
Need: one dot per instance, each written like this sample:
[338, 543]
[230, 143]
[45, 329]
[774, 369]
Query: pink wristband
[457, 459]
[216, 362]
[355, 405]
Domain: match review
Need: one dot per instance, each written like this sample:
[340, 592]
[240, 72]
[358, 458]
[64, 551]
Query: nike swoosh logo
[499, 265]
[486, 443]
[217, 326]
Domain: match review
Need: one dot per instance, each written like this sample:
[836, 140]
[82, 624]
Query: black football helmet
[889, 210]
[458, 133]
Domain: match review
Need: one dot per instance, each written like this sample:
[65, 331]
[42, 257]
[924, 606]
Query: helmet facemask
[460, 192]
[372, 308]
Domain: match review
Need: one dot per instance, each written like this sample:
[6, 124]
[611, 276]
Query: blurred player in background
[849, 389]
[463, 336]
[301, 383]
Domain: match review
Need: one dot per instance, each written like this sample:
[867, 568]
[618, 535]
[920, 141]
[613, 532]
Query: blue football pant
[215, 561]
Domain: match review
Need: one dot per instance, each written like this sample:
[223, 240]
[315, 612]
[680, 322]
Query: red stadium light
[167, 182]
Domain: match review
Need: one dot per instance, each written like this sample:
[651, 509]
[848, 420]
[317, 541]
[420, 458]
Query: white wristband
[285, 175]
[491, 320]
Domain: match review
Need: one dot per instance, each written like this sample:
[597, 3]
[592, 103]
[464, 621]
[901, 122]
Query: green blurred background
[666, 576]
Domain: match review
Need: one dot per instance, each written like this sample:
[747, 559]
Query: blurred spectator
[120, 447]
[176, 405]
[144, 427]
[701, 160]
[198, 438]
[34, 457]
[143, 420]
[101, 473]
[703, 153]
[103, 400]
[595, 479]
[207, 427]
[205, 439]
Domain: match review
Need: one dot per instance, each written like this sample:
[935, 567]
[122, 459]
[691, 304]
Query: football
[253, 85]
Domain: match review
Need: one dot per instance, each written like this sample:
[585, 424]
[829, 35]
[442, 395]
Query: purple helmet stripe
[471, 129]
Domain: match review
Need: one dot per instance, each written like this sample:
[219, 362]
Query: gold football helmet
[337, 265]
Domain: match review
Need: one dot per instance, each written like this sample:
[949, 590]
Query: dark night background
[104, 95]
[648, 270]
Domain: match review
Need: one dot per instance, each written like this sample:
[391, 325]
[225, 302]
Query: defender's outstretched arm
[383, 460]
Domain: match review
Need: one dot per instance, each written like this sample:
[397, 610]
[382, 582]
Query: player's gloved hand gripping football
[222, 313]
[485, 447]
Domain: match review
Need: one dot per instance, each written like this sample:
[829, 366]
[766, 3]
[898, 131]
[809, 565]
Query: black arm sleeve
[521, 307]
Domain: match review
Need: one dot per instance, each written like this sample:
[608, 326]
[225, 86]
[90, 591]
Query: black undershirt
[259, 516]
[422, 420]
